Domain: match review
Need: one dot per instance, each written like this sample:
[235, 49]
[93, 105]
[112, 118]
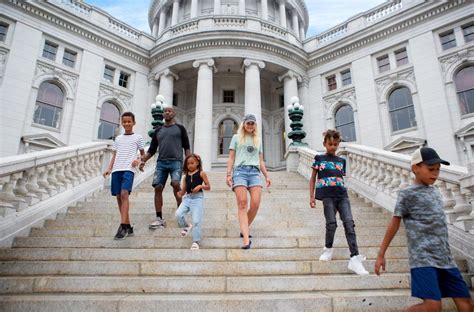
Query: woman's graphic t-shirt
[330, 180]
[246, 154]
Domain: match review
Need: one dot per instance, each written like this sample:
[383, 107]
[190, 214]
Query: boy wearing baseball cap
[433, 271]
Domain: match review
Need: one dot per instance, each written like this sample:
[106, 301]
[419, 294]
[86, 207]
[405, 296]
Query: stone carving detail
[383, 82]
[348, 94]
[123, 97]
[461, 56]
[69, 77]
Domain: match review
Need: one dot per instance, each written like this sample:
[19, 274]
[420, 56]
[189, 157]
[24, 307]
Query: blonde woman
[243, 173]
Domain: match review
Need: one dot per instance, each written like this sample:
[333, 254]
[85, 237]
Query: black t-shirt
[330, 179]
[170, 142]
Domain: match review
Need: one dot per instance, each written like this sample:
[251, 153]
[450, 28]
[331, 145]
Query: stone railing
[75, 6]
[332, 34]
[37, 185]
[377, 176]
[384, 10]
[123, 29]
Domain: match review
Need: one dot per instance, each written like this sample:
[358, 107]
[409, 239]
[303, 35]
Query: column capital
[152, 78]
[166, 72]
[305, 81]
[290, 75]
[249, 62]
[208, 62]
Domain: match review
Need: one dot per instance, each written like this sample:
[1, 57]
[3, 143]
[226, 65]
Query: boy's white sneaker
[356, 266]
[195, 246]
[157, 224]
[327, 254]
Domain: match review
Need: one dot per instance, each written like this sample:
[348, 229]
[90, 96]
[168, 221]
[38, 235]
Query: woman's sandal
[242, 235]
[247, 246]
[186, 230]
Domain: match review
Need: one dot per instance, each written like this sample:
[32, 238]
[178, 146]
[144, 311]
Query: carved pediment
[405, 145]
[345, 94]
[466, 131]
[42, 140]
[120, 95]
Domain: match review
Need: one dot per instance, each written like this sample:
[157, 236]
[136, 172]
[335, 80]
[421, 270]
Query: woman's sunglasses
[250, 123]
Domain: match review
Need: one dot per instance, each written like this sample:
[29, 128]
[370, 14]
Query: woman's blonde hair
[241, 133]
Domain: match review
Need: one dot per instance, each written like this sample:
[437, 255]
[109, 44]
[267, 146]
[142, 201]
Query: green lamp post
[295, 112]
[157, 113]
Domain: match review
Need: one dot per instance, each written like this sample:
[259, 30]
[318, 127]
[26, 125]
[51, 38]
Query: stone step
[151, 254]
[209, 243]
[361, 300]
[185, 268]
[200, 284]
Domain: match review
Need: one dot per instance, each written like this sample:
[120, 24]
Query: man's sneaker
[130, 231]
[327, 254]
[158, 223]
[195, 245]
[356, 266]
[122, 232]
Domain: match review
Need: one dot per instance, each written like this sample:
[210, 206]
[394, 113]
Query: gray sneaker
[158, 223]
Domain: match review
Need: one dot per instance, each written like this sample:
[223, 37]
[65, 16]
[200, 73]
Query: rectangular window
[3, 31]
[50, 50]
[468, 32]
[282, 100]
[175, 99]
[69, 58]
[346, 77]
[109, 73]
[383, 63]
[401, 56]
[229, 96]
[123, 79]
[332, 85]
[448, 40]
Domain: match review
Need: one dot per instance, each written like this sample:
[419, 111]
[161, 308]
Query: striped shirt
[126, 147]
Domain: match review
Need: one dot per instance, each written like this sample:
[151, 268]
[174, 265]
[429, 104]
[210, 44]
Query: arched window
[401, 109]
[227, 128]
[49, 105]
[109, 121]
[464, 81]
[344, 120]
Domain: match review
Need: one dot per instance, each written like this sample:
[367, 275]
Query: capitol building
[396, 77]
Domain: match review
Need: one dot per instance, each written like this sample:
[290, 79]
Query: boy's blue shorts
[121, 180]
[434, 283]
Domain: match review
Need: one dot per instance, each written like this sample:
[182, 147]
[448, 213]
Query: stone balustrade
[383, 11]
[123, 29]
[36, 185]
[75, 6]
[332, 34]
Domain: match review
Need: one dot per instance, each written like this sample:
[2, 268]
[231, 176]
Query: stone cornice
[69, 26]
[384, 33]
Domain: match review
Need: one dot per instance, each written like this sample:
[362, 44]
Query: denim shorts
[121, 180]
[434, 283]
[248, 176]
[165, 168]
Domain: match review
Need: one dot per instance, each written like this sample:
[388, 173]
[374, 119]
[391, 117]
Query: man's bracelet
[228, 174]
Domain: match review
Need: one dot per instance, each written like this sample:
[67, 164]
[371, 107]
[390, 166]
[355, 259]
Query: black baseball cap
[428, 156]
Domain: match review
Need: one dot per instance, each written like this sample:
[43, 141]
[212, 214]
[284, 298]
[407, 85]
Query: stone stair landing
[72, 263]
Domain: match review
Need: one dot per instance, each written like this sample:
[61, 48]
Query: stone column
[296, 26]
[162, 24]
[152, 93]
[174, 16]
[290, 89]
[203, 119]
[303, 91]
[242, 8]
[194, 8]
[167, 78]
[282, 14]
[265, 9]
[217, 7]
[154, 30]
[302, 34]
[253, 96]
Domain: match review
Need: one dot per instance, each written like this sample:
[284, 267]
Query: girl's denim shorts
[248, 176]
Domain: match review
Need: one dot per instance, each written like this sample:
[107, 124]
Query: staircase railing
[37, 185]
[377, 176]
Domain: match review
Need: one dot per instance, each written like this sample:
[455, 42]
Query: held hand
[379, 263]
[197, 189]
[312, 203]
[141, 166]
[179, 194]
[107, 172]
[135, 163]
[229, 181]
[268, 181]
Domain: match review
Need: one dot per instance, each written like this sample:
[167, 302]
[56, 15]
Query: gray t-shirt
[170, 142]
[421, 208]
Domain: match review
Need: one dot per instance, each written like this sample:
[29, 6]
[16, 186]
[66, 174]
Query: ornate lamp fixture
[157, 113]
[295, 112]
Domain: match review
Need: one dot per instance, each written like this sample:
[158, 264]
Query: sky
[323, 14]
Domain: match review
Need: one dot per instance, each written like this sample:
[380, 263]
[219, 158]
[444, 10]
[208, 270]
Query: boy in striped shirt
[124, 158]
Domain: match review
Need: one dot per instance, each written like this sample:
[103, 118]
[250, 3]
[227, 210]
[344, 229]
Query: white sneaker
[356, 266]
[158, 223]
[195, 246]
[327, 254]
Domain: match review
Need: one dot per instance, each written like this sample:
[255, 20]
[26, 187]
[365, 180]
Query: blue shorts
[121, 180]
[165, 168]
[248, 176]
[434, 283]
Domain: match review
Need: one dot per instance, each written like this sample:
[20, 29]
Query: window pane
[399, 98]
[47, 115]
[344, 121]
[383, 63]
[347, 132]
[51, 94]
[123, 80]
[468, 32]
[332, 85]
[346, 77]
[3, 31]
[110, 113]
[401, 109]
[464, 79]
[50, 50]
[402, 57]
[282, 101]
[107, 131]
[228, 96]
[466, 101]
[109, 73]
[69, 58]
[448, 40]
[175, 99]
[227, 128]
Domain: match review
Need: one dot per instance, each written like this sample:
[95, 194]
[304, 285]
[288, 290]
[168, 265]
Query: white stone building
[395, 77]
